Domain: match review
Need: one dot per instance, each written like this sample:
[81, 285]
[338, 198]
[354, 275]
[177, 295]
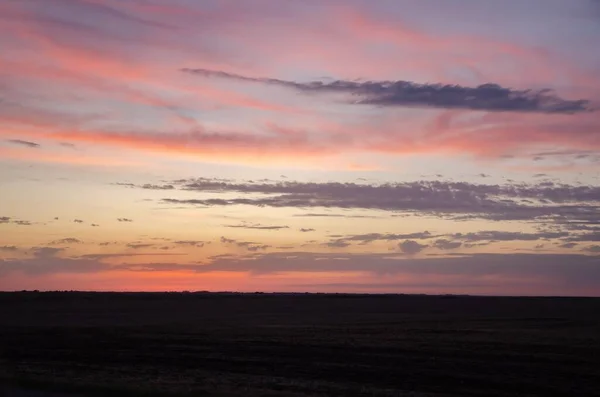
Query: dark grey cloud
[286, 247]
[444, 244]
[123, 255]
[569, 153]
[370, 237]
[589, 237]
[585, 226]
[255, 248]
[139, 245]
[95, 225]
[9, 248]
[149, 186]
[456, 240]
[5, 219]
[45, 252]
[248, 245]
[494, 235]
[306, 230]
[323, 215]
[594, 249]
[155, 267]
[550, 201]
[411, 247]
[256, 226]
[67, 240]
[554, 193]
[51, 265]
[22, 223]
[78, 221]
[568, 270]
[23, 143]
[568, 245]
[487, 97]
[191, 243]
[337, 244]
[574, 156]
[480, 244]
[124, 220]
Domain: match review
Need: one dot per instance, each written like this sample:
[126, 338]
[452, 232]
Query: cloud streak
[568, 205]
[247, 245]
[257, 227]
[400, 93]
[67, 240]
[23, 143]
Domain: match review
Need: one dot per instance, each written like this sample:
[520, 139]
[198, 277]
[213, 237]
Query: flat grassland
[299, 345]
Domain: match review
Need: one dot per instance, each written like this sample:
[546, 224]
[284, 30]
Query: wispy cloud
[23, 143]
[492, 235]
[46, 252]
[488, 97]
[444, 244]
[248, 245]
[567, 204]
[157, 187]
[192, 243]
[8, 248]
[370, 237]
[107, 12]
[256, 226]
[454, 241]
[67, 240]
[139, 245]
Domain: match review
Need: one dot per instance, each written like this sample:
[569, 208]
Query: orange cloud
[480, 134]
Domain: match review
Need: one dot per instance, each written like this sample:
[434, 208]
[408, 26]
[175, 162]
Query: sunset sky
[405, 146]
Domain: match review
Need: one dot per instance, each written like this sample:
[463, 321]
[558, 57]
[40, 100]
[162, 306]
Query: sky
[381, 146]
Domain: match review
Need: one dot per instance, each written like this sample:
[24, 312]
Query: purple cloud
[488, 97]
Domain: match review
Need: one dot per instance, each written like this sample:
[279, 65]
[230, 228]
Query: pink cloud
[105, 72]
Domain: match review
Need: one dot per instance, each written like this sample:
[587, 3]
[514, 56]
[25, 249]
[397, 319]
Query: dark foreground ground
[298, 345]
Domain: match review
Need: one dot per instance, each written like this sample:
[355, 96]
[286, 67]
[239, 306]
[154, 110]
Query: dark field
[300, 345]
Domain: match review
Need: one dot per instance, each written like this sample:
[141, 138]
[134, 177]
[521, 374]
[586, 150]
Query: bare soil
[298, 345]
